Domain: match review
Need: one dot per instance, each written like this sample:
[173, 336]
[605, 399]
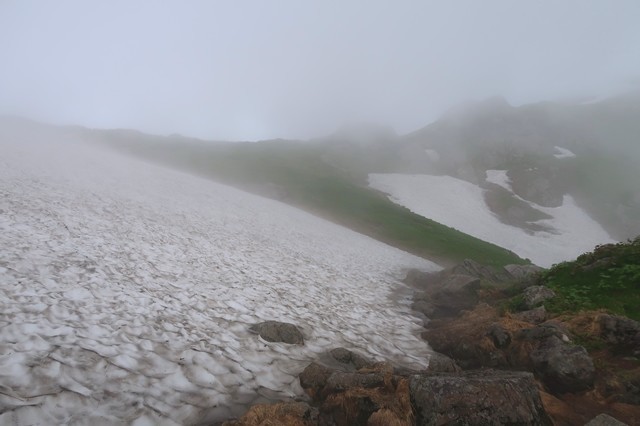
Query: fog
[255, 70]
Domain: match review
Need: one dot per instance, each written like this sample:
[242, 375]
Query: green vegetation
[606, 278]
[299, 174]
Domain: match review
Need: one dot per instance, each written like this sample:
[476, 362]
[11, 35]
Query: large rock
[533, 316]
[523, 273]
[474, 269]
[449, 297]
[314, 378]
[605, 420]
[484, 397]
[439, 363]
[275, 331]
[349, 359]
[499, 335]
[535, 295]
[623, 333]
[563, 367]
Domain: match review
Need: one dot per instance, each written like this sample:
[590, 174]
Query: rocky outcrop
[482, 272]
[452, 294]
[622, 333]
[534, 316]
[563, 367]
[372, 395]
[439, 363]
[523, 273]
[275, 331]
[477, 398]
[604, 420]
[349, 359]
[534, 296]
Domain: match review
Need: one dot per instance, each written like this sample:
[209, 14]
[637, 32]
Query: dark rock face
[371, 396]
[604, 420]
[350, 359]
[623, 333]
[523, 273]
[439, 363]
[563, 367]
[275, 331]
[451, 295]
[542, 332]
[535, 295]
[339, 381]
[477, 398]
[534, 316]
[501, 337]
[314, 378]
[474, 269]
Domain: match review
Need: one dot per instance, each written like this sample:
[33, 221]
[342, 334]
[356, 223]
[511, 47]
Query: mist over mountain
[599, 166]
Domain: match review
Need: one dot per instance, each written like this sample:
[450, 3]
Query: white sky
[262, 69]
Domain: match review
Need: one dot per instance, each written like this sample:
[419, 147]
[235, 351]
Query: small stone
[275, 331]
[605, 420]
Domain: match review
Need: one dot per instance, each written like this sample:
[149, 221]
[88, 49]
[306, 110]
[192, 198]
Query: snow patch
[500, 178]
[563, 153]
[127, 290]
[460, 205]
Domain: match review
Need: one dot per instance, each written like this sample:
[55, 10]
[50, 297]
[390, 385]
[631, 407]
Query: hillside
[590, 151]
[302, 174]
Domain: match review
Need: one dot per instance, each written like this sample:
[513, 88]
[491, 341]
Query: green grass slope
[606, 278]
[297, 173]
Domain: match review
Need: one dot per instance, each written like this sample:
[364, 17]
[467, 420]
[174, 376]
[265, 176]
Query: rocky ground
[500, 358]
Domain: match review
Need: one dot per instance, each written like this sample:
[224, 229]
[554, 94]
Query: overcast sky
[263, 69]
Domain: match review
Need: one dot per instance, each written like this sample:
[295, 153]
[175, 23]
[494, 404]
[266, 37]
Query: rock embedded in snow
[349, 358]
[275, 331]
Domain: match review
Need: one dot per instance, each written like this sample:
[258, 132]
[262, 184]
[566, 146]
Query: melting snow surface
[460, 205]
[127, 291]
[500, 178]
[563, 153]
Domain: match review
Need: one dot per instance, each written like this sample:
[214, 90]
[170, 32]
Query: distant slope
[601, 170]
[565, 231]
[300, 174]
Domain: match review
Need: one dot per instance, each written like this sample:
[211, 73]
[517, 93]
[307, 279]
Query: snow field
[460, 205]
[127, 291]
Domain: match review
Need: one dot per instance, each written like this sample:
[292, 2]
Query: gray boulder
[535, 295]
[623, 333]
[349, 359]
[474, 269]
[449, 297]
[534, 316]
[439, 363]
[275, 331]
[500, 337]
[485, 397]
[605, 420]
[523, 273]
[563, 367]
